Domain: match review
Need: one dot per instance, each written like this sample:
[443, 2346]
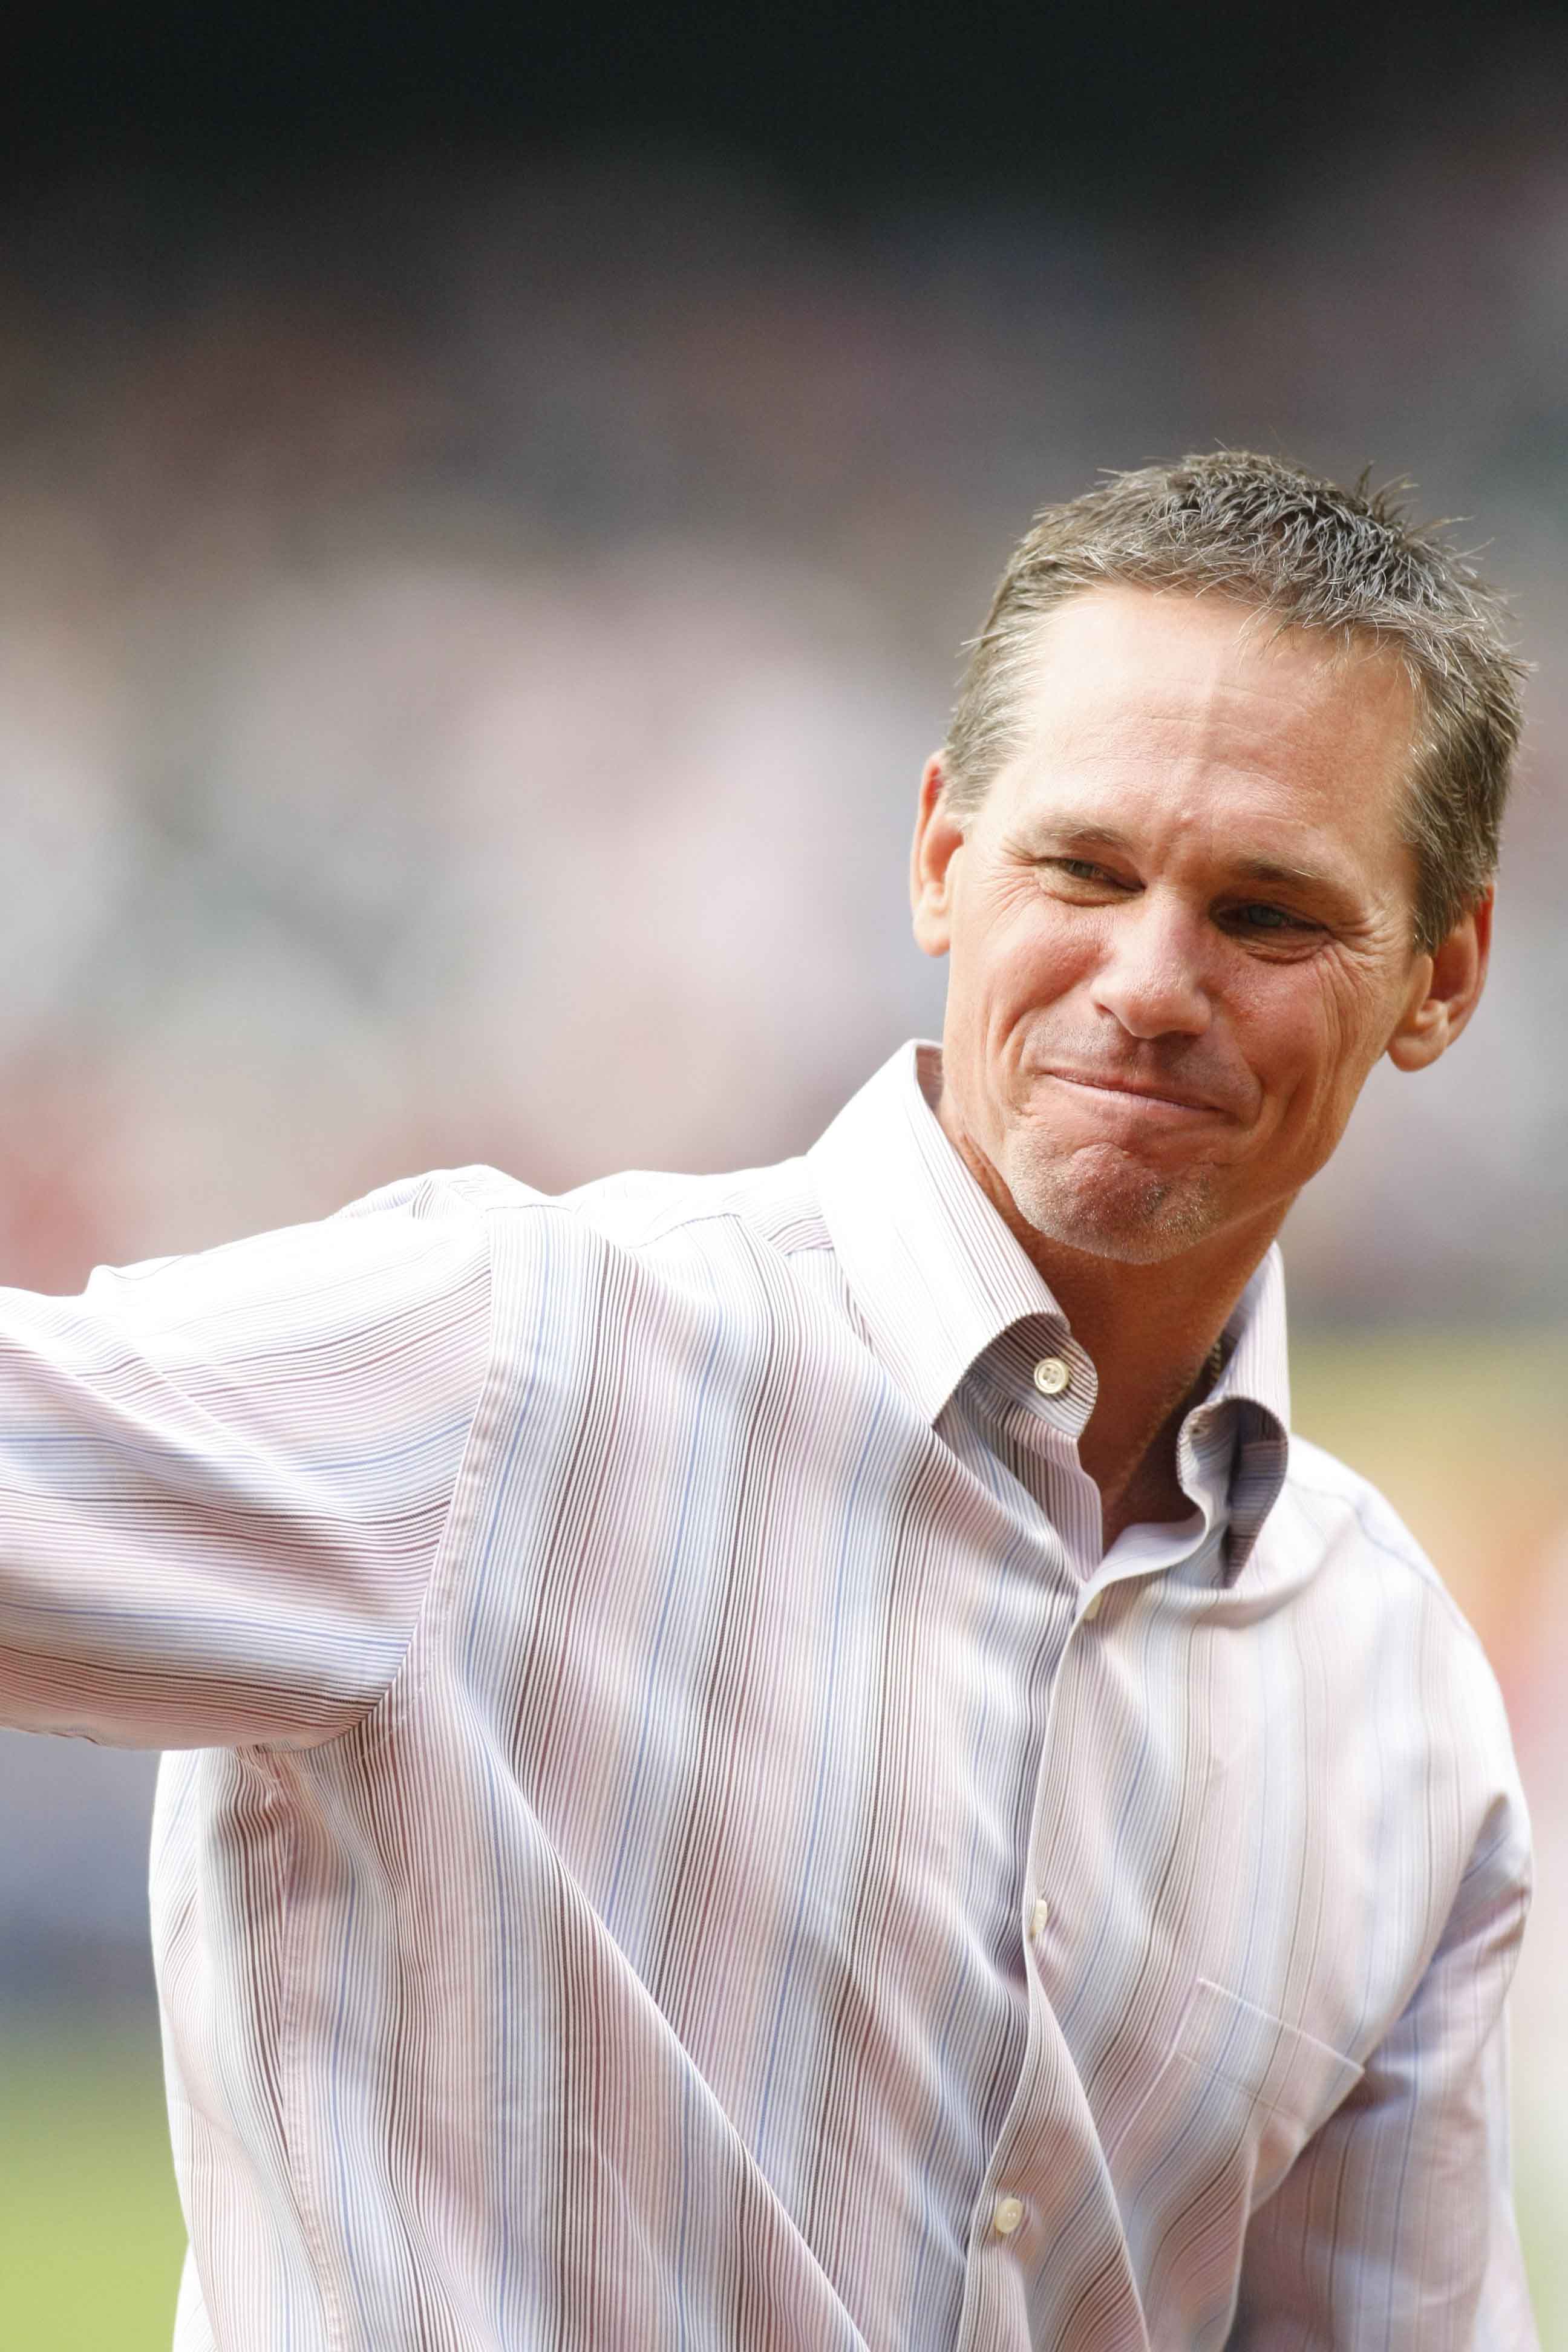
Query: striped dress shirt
[677, 1836]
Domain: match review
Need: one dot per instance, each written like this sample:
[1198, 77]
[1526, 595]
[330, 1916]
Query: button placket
[1020, 2197]
[1071, 2182]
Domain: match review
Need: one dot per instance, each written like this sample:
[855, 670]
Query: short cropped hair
[1347, 562]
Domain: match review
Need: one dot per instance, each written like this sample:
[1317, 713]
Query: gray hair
[1350, 563]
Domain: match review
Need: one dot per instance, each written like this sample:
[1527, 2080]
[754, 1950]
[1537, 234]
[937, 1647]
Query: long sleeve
[224, 1479]
[1394, 2227]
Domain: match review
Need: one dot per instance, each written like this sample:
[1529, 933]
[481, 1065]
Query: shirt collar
[1255, 1368]
[934, 1270]
[937, 1277]
[1244, 1422]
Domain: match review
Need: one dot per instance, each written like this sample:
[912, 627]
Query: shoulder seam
[675, 1223]
[1423, 1569]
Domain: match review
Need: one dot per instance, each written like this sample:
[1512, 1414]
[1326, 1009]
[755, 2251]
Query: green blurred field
[1466, 1437]
[90, 2234]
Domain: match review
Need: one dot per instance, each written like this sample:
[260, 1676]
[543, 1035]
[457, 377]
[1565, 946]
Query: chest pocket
[1229, 2108]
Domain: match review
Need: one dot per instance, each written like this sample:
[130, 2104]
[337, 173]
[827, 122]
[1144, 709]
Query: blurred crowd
[469, 646]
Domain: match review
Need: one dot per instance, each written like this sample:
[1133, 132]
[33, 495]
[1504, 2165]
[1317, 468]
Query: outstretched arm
[224, 1479]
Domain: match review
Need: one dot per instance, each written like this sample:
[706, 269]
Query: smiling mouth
[1149, 1098]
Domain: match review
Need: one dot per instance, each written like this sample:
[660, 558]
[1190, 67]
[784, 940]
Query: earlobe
[1444, 990]
[1422, 1036]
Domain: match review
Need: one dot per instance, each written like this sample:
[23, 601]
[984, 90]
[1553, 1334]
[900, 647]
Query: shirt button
[1007, 2215]
[1091, 1606]
[1051, 1376]
[1039, 1918]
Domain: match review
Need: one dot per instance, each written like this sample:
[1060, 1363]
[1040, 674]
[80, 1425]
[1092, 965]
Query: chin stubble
[1116, 1209]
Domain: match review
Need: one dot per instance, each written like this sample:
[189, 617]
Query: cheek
[1317, 1044]
[1014, 955]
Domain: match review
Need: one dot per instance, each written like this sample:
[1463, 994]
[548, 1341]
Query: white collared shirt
[680, 1840]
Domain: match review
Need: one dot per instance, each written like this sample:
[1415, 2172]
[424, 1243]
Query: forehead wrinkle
[1199, 685]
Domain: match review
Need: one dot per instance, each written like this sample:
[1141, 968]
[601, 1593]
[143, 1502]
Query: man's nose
[1153, 977]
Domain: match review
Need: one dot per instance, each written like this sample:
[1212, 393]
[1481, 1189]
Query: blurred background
[490, 510]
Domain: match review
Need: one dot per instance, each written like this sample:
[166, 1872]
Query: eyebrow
[1269, 869]
[1246, 869]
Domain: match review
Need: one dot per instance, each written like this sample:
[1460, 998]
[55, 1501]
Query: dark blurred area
[492, 507]
[1109, 106]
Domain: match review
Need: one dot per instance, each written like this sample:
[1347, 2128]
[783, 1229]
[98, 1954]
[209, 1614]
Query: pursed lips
[1124, 1089]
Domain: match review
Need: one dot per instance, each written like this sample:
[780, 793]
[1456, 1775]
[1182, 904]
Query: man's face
[1180, 925]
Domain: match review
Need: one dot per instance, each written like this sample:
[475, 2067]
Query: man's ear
[1444, 990]
[938, 836]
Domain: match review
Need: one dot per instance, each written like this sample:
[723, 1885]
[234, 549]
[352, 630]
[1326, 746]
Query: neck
[1150, 1331]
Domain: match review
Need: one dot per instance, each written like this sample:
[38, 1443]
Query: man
[797, 1759]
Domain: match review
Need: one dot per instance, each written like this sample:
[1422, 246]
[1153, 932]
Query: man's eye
[1080, 869]
[1263, 917]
